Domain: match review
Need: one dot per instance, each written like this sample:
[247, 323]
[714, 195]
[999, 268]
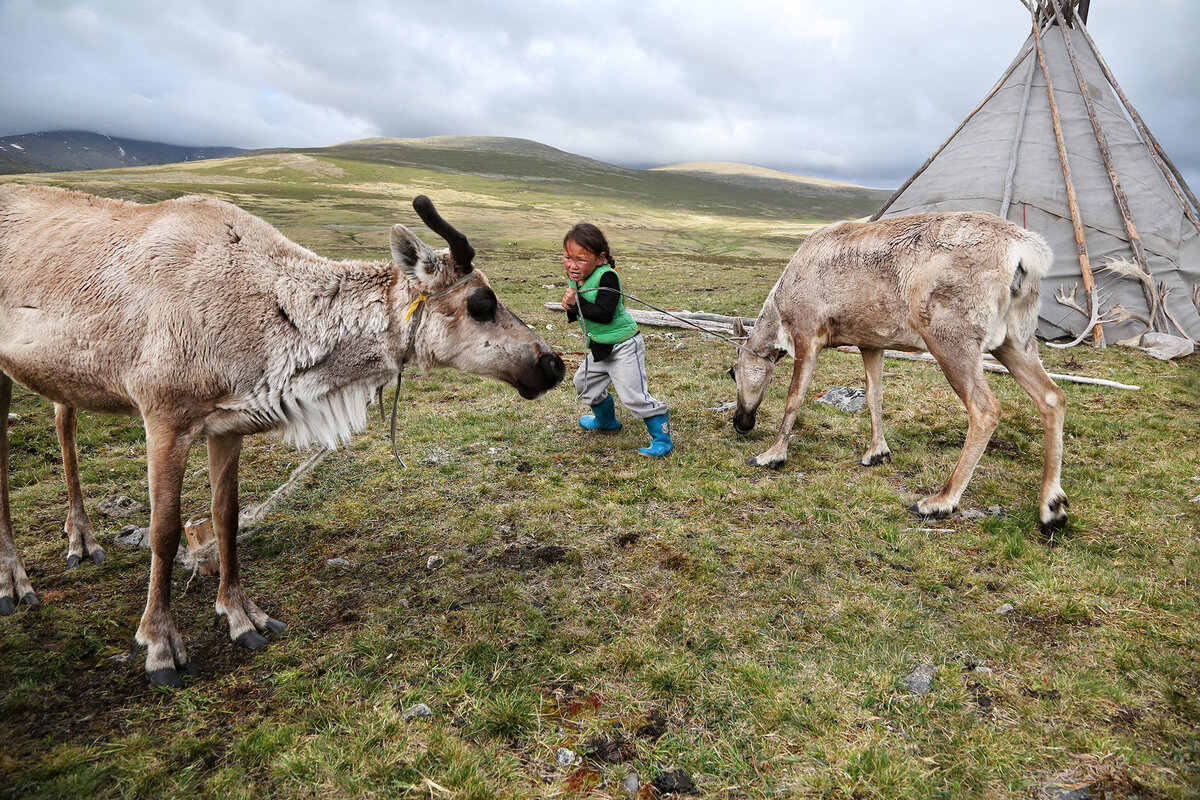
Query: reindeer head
[455, 318]
[753, 372]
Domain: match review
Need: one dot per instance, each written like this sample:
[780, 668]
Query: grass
[539, 588]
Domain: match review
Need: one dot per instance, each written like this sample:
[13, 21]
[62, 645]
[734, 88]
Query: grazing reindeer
[206, 321]
[955, 284]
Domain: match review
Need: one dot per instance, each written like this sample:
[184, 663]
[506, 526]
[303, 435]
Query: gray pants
[626, 370]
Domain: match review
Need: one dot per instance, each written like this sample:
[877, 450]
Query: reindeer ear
[739, 330]
[413, 256]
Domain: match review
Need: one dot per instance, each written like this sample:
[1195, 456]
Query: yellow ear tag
[413, 307]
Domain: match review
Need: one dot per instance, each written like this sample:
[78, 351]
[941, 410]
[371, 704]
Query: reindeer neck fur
[769, 334]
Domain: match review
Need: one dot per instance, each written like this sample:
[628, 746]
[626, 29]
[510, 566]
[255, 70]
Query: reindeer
[955, 284]
[206, 321]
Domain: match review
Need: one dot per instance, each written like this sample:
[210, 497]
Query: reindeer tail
[1032, 257]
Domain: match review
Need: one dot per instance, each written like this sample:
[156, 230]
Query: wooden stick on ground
[722, 324]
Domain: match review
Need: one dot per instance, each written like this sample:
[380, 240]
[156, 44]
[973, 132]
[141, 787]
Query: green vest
[622, 326]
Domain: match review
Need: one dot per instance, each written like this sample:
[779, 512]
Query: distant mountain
[68, 151]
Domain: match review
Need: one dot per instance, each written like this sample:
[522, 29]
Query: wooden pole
[1174, 178]
[1158, 322]
[1085, 264]
[1006, 201]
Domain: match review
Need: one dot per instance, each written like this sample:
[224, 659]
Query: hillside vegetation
[529, 611]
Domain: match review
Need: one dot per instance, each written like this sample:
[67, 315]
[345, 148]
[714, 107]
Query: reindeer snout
[552, 368]
[743, 422]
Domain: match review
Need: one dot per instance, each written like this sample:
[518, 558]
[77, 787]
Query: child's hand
[568, 298]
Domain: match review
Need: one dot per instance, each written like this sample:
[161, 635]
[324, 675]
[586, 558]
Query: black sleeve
[605, 306]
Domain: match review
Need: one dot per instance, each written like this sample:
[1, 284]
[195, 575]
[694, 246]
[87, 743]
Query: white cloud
[862, 91]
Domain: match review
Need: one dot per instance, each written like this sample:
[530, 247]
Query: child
[616, 350]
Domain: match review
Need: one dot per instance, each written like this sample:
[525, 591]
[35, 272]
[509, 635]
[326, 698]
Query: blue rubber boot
[660, 437]
[602, 417]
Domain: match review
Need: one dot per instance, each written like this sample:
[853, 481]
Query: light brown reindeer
[206, 321]
[955, 284]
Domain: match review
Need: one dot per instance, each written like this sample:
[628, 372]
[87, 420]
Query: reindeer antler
[1094, 318]
[460, 248]
[1069, 300]
[1127, 269]
[1163, 292]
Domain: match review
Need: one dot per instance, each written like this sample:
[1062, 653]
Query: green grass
[749, 627]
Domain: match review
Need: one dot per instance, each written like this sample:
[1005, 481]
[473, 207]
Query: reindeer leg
[962, 363]
[1026, 368]
[878, 451]
[14, 583]
[806, 363]
[167, 446]
[81, 539]
[247, 621]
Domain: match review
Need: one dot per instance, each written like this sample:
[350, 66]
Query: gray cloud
[860, 91]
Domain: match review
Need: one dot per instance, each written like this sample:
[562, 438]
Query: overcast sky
[860, 90]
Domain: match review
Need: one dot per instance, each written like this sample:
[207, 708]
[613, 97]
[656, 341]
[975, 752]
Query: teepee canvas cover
[1007, 157]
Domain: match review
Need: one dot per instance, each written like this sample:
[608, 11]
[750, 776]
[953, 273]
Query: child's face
[580, 262]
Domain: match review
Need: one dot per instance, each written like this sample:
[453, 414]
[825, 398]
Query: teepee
[1057, 147]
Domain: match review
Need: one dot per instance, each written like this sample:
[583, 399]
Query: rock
[336, 562]
[120, 506]
[13, 418]
[724, 408]
[434, 562]
[419, 711]
[132, 536]
[847, 398]
[1075, 794]
[1007, 608]
[565, 757]
[920, 680]
[631, 784]
[1165, 347]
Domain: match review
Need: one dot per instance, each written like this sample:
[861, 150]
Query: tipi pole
[1174, 178]
[1135, 239]
[1012, 160]
[950, 138]
[1085, 264]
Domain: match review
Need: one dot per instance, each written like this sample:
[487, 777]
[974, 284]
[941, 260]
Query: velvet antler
[460, 248]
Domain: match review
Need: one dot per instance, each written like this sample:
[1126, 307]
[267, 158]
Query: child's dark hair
[590, 238]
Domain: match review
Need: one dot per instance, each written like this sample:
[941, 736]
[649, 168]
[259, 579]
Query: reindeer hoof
[30, 599]
[73, 561]
[941, 513]
[98, 556]
[251, 640]
[876, 459]
[1058, 516]
[276, 626]
[167, 676]
[7, 606]
[770, 463]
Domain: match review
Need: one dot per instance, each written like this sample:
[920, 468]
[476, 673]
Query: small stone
[983, 670]
[132, 536]
[336, 562]
[418, 711]
[847, 398]
[630, 783]
[565, 757]
[1007, 608]
[921, 679]
[13, 418]
[434, 562]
